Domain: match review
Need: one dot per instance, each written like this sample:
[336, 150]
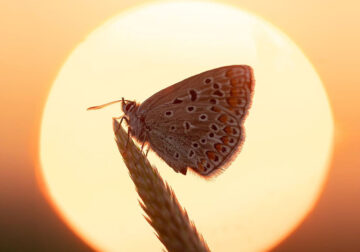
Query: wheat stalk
[164, 213]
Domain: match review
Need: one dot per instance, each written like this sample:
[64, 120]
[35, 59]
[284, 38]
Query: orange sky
[37, 37]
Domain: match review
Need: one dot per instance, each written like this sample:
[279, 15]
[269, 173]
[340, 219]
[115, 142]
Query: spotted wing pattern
[198, 122]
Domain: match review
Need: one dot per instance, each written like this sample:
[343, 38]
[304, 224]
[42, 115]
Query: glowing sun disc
[258, 200]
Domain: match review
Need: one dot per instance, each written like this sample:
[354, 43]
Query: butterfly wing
[241, 74]
[198, 122]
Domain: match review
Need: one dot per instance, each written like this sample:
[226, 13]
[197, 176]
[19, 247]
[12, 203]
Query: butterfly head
[128, 107]
[133, 120]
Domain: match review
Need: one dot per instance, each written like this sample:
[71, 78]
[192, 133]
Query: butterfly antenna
[104, 105]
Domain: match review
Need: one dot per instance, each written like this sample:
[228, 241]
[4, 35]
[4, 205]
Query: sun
[258, 200]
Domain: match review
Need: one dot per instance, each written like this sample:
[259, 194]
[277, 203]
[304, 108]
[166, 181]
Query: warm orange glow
[266, 191]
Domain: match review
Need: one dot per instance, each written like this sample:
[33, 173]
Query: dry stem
[164, 213]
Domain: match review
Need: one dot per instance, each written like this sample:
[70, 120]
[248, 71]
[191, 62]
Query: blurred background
[36, 37]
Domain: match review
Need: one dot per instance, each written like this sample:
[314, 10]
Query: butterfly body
[196, 123]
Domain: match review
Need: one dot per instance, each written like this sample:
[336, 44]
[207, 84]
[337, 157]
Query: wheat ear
[164, 213]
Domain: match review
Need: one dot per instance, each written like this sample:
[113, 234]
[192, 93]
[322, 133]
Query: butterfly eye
[128, 106]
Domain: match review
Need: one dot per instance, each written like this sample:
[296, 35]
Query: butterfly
[196, 123]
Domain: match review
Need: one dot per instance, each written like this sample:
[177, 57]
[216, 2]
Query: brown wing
[197, 123]
[178, 92]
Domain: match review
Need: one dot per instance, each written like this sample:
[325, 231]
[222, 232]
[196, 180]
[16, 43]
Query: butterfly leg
[121, 119]
[142, 146]
[127, 121]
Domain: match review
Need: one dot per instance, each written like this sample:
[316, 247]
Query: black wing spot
[177, 101]
[216, 86]
[168, 113]
[218, 93]
[187, 125]
[234, 131]
[212, 101]
[190, 109]
[193, 95]
[214, 127]
[191, 153]
[238, 112]
[207, 80]
[202, 117]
